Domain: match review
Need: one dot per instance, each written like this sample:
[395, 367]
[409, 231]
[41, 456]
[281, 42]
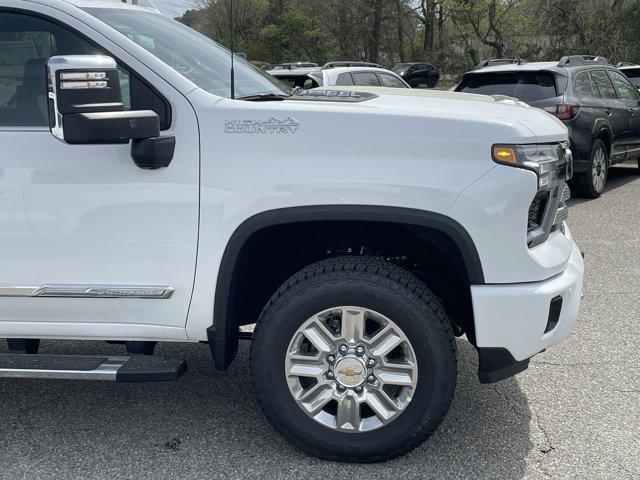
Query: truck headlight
[552, 162]
[553, 166]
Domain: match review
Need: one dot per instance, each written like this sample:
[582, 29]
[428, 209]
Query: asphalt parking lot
[574, 414]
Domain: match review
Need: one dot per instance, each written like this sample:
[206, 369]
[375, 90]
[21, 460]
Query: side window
[390, 81]
[625, 90]
[365, 79]
[26, 44]
[309, 83]
[125, 87]
[604, 85]
[344, 79]
[582, 86]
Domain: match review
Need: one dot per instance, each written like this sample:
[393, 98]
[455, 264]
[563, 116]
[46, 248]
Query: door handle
[633, 111]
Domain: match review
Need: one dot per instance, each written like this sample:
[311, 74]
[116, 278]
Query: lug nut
[371, 378]
[358, 389]
[343, 349]
[341, 388]
[360, 350]
[371, 362]
[331, 358]
[329, 374]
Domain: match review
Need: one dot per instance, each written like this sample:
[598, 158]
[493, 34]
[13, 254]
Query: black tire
[586, 182]
[376, 285]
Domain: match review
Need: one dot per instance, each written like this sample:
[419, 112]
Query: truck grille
[549, 206]
[547, 212]
[536, 210]
[563, 209]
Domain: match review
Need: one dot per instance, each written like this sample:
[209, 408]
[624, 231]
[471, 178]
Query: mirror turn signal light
[83, 80]
[79, 76]
[83, 85]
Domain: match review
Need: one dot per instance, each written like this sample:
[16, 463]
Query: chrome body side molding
[89, 291]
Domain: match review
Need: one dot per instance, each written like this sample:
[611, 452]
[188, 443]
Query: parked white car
[300, 77]
[632, 71]
[361, 231]
[357, 76]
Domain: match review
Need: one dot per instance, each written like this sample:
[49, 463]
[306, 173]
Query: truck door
[91, 246]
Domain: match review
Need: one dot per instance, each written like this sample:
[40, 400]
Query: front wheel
[353, 359]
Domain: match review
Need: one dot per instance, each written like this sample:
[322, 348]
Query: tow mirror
[86, 107]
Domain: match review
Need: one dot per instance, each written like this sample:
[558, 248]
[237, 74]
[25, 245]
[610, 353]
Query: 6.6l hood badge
[273, 125]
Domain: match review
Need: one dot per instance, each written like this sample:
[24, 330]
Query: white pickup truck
[146, 198]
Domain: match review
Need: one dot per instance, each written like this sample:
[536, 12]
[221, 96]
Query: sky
[174, 8]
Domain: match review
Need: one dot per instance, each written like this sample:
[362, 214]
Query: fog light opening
[555, 308]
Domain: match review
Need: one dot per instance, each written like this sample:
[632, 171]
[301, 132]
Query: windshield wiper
[262, 97]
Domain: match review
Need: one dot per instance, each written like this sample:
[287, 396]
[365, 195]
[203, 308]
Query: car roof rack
[577, 60]
[348, 63]
[490, 62]
[626, 64]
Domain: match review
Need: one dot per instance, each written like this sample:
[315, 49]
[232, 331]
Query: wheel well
[606, 138]
[437, 250]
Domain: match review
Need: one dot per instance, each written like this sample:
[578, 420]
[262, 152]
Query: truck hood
[443, 104]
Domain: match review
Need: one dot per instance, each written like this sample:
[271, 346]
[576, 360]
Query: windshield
[196, 57]
[525, 86]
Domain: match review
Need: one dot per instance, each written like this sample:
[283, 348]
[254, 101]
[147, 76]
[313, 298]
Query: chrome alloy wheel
[351, 369]
[599, 170]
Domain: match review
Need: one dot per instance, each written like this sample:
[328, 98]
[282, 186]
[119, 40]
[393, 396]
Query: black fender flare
[602, 126]
[223, 333]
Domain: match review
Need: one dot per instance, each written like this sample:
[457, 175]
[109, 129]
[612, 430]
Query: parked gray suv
[598, 104]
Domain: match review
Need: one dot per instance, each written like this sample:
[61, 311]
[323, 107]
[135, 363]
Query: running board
[136, 368]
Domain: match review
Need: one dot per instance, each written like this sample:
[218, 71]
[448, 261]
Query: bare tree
[452, 34]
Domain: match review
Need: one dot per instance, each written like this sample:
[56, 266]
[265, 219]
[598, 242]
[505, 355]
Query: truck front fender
[223, 333]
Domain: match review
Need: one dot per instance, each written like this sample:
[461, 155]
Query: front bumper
[511, 319]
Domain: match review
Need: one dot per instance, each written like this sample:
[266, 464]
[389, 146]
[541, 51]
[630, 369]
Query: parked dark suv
[418, 74]
[595, 101]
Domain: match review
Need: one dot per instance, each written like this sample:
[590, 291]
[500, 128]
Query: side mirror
[86, 107]
[241, 55]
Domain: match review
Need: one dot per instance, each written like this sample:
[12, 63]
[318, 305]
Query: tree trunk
[498, 43]
[374, 43]
[440, 25]
[428, 20]
[400, 28]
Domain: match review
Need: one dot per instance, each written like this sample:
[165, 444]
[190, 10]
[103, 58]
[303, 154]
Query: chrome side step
[137, 368]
